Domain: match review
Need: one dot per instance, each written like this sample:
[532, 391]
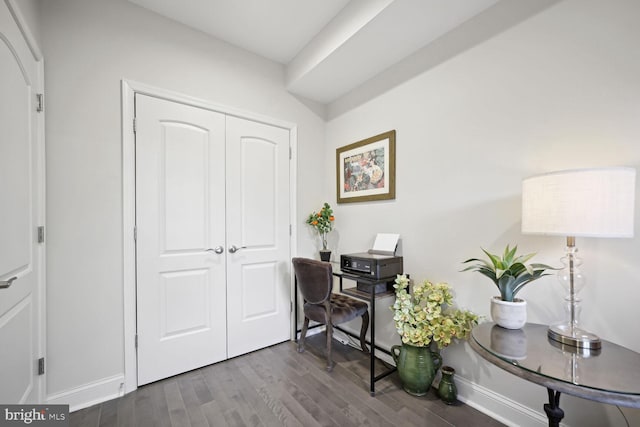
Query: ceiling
[328, 47]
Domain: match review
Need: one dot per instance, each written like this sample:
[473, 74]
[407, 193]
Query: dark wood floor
[277, 386]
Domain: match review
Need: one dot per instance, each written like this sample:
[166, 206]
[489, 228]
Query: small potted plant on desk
[322, 221]
[423, 317]
[510, 273]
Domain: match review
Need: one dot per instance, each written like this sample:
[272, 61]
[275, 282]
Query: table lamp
[578, 203]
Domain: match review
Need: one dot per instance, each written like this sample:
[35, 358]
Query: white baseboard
[90, 394]
[497, 406]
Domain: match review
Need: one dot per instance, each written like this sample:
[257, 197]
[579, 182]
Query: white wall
[89, 47]
[558, 91]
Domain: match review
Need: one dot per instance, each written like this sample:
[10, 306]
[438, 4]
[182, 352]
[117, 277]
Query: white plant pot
[510, 315]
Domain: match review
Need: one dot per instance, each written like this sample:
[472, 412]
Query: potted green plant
[423, 317]
[510, 273]
[322, 222]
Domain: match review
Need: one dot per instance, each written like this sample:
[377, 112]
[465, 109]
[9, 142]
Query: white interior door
[21, 303]
[258, 292]
[180, 221]
[212, 220]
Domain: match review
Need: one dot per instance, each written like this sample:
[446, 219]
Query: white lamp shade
[584, 202]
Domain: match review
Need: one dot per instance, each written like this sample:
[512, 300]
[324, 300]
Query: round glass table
[609, 375]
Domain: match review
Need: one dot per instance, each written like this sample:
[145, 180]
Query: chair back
[315, 279]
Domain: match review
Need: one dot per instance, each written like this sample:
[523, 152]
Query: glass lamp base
[575, 337]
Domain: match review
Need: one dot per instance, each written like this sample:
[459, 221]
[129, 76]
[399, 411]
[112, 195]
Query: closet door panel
[180, 200]
[258, 292]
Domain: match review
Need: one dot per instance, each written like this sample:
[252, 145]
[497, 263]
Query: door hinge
[135, 125]
[41, 234]
[290, 154]
[290, 306]
[39, 102]
[290, 228]
[135, 234]
[136, 344]
[41, 366]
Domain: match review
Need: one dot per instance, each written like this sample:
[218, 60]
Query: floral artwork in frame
[365, 170]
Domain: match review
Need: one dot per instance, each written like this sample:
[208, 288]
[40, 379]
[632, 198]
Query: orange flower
[314, 222]
[331, 218]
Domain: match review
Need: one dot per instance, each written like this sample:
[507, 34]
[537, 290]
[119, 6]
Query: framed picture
[366, 170]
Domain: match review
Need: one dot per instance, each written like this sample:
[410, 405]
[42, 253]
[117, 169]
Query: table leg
[552, 409]
[372, 351]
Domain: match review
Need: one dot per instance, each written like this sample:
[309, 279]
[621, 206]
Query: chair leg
[303, 334]
[330, 363]
[363, 331]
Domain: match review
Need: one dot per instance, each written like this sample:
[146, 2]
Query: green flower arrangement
[428, 315]
[323, 222]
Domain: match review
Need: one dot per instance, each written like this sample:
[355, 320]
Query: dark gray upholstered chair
[315, 282]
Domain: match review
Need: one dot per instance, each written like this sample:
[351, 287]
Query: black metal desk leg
[295, 308]
[372, 351]
[554, 413]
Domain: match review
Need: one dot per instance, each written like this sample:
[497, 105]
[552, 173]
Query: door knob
[217, 249]
[233, 249]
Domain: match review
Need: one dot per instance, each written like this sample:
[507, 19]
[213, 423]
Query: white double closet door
[212, 244]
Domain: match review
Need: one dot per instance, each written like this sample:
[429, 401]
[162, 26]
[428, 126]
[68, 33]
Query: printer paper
[385, 243]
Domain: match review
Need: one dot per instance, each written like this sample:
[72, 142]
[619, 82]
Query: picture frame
[366, 170]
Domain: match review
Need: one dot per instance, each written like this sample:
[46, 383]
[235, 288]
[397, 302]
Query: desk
[610, 375]
[370, 297]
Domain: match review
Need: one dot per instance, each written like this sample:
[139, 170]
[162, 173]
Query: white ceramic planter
[510, 315]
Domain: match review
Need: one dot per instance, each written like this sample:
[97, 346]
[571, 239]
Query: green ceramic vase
[447, 389]
[417, 367]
